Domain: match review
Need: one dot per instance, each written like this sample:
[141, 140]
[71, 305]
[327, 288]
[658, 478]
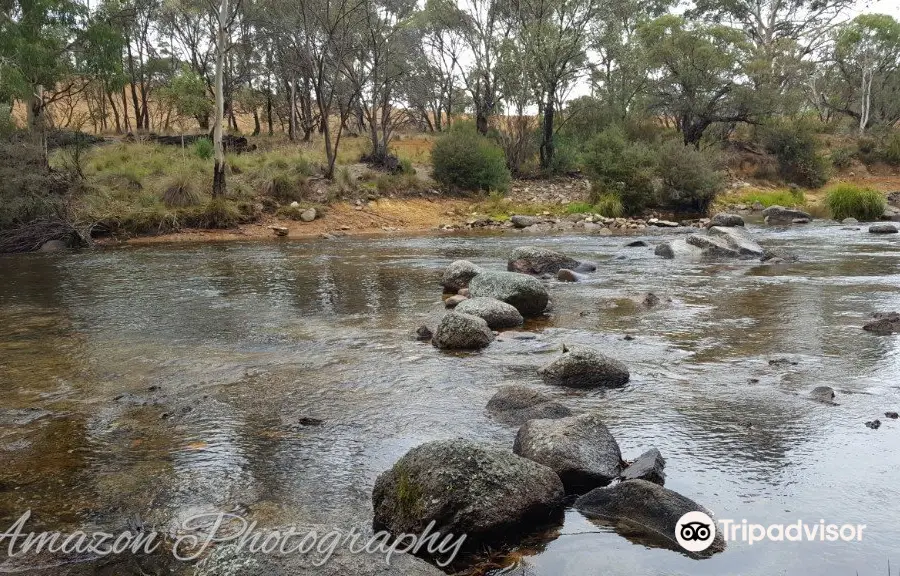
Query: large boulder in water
[458, 275]
[727, 220]
[515, 405]
[487, 493]
[717, 242]
[537, 261]
[648, 466]
[497, 314]
[883, 229]
[578, 448]
[525, 292]
[738, 239]
[646, 506]
[582, 367]
[457, 331]
[782, 215]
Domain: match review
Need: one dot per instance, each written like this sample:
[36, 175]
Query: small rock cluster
[595, 223]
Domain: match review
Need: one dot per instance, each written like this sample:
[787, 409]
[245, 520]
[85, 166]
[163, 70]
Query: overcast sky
[891, 7]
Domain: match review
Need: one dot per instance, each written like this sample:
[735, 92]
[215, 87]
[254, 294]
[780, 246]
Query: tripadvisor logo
[695, 531]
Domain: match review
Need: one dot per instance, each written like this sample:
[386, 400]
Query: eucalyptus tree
[782, 35]
[698, 73]
[554, 35]
[619, 68]
[867, 57]
[486, 25]
[441, 24]
[47, 50]
[315, 39]
[378, 63]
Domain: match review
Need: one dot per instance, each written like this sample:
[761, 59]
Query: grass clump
[851, 201]
[180, 190]
[610, 205]
[579, 208]
[465, 160]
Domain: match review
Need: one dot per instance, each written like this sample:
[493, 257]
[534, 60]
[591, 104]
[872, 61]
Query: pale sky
[891, 7]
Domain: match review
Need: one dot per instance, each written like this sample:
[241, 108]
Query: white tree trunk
[221, 39]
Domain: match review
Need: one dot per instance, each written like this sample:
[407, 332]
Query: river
[168, 380]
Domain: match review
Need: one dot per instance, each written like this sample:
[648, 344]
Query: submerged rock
[579, 449]
[515, 405]
[822, 394]
[497, 314]
[525, 292]
[647, 506]
[636, 244]
[458, 331]
[537, 261]
[649, 466]
[458, 275]
[586, 266]
[582, 367]
[487, 493]
[874, 424]
[782, 215]
[884, 323]
[883, 229]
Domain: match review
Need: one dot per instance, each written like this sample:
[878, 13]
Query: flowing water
[163, 381]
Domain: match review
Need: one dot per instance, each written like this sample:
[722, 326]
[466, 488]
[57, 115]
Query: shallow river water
[163, 381]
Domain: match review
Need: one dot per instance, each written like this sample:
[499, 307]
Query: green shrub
[565, 157]
[465, 160]
[796, 149]
[851, 201]
[617, 166]
[842, 158]
[691, 178]
[892, 150]
[610, 205]
[204, 149]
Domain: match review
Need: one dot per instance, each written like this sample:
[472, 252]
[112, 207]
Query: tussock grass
[851, 201]
[610, 205]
